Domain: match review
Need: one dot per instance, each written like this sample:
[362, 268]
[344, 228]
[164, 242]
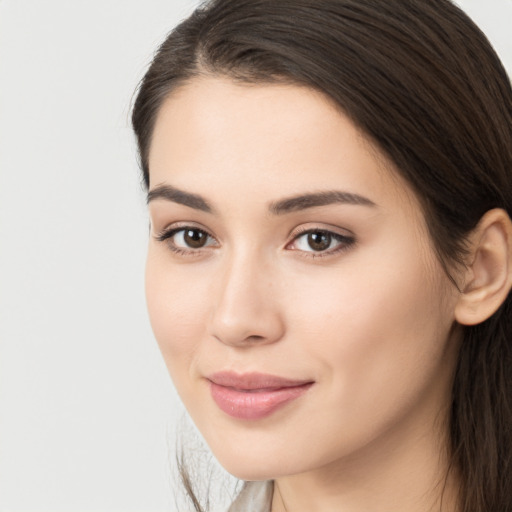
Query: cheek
[177, 310]
[384, 323]
[377, 340]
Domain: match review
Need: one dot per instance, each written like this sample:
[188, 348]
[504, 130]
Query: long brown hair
[424, 84]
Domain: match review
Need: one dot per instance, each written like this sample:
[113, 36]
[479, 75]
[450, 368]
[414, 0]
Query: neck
[402, 473]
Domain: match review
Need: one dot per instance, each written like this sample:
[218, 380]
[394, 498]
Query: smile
[253, 396]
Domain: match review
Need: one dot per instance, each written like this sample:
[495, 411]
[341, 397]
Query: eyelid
[166, 234]
[327, 228]
[346, 240]
[178, 226]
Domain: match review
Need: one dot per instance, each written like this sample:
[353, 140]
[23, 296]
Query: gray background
[88, 415]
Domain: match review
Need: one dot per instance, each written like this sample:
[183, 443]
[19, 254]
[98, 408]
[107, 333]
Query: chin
[253, 473]
[254, 467]
[250, 475]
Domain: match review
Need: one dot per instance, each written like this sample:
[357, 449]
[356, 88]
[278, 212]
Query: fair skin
[367, 319]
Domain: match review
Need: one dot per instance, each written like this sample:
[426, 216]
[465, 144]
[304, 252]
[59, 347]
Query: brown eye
[187, 239]
[194, 238]
[319, 241]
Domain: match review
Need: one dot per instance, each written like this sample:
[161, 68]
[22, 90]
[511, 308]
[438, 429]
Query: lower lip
[254, 404]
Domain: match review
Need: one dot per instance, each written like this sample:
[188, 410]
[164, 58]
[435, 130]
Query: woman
[328, 275]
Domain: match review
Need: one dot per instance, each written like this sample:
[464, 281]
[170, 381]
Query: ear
[488, 276]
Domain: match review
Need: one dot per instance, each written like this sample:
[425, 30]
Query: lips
[253, 396]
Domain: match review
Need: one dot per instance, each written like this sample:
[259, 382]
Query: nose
[246, 308]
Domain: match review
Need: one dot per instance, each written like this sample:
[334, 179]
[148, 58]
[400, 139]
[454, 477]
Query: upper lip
[254, 380]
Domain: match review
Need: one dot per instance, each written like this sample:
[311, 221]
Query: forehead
[264, 139]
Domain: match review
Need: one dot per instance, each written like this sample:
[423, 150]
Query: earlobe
[488, 276]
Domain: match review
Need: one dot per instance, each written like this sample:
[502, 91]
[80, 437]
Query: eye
[190, 238]
[187, 238]
[321, 241]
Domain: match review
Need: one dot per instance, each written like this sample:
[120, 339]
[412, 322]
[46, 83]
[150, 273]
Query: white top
[254, 497]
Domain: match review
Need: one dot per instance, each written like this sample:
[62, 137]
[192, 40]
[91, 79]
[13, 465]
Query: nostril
[255, 338]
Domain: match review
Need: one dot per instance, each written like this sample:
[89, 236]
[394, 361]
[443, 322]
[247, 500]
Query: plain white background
[88, 415]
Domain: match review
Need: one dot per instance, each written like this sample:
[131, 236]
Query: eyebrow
[304, 201]
[179, 196]
[283, 206]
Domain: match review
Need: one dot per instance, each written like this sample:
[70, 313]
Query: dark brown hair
[423, 83]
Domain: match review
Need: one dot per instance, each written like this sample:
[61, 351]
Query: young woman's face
[291, 282]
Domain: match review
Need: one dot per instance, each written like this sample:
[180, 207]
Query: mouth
[253, 396]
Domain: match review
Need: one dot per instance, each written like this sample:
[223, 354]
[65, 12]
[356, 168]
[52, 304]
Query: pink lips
[252, 396]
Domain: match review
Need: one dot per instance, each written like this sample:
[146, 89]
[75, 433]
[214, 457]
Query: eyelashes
[186, 239]
[320, 242]
[311, 243]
